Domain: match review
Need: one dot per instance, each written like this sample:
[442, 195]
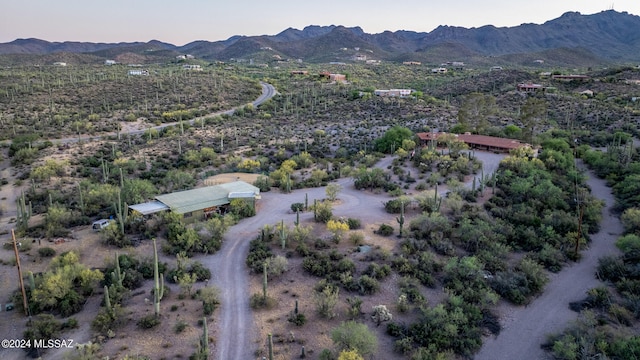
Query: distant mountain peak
[610, 35]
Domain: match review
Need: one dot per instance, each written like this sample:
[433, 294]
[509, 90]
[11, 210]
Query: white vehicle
[100, 224]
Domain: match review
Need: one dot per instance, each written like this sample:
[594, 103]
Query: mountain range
[571, 39]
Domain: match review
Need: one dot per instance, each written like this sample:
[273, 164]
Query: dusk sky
[182, 21]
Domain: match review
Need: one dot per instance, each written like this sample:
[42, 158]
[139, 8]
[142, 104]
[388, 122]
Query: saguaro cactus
[158, 281]
[270, 347]
[107, 300]
[400, 219]
[105, 171]
[264, 281]
[203, 345]
[23, 214]
[315, 210]
[283, 235]
[32, 281]
[117, 276]
[121, 212]
[81, 199]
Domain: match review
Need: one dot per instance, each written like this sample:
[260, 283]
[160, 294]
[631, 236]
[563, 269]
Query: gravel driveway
[525, 328]
[236, 329]
[236, 332]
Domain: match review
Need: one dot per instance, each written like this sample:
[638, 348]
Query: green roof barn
[200, 202]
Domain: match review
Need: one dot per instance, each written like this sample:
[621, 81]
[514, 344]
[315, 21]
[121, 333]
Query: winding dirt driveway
[236, 329]
[525, 328]
[236, 332]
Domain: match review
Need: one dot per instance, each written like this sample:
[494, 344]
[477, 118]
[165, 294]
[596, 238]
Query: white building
[192, 67]
[138, 72]
[393, 92]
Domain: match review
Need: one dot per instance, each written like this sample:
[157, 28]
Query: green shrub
[368, 285]
[385, 230]
[297, 207]
[354, 224]
[71, 323]
[210, 297]
[258, 253]
[351, 335]
[257, 301]
[148, 321]
[46, 252]
[298, 319]
[180, 326]
[202, 273]
[356, 238]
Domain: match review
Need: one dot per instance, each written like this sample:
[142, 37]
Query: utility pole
[24, 293]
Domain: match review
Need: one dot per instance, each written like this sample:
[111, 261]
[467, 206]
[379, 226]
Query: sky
[182, 21]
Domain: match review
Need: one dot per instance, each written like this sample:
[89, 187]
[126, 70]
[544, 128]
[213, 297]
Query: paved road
[268, 91]
[525, 328]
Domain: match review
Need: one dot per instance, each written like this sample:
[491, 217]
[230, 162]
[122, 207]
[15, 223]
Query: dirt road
[236, 331]
[525, 328]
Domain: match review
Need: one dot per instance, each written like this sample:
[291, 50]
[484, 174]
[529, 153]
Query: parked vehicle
[101, 224]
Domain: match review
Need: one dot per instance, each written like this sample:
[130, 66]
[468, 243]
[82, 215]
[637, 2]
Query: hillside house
[479, 142]
[440, 70]
[530, 87]
[341, 78]
[299, 72]
[201, 202]
[109, 62]
[570, 77]
[411, 63]
[193, 67]
[393, 93]
[138, 72]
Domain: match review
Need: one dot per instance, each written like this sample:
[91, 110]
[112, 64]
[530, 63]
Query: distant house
[192, 67]
[412, 63]
[201, 202]
[341, 78]
[530, 87]
[480, 142]
[59, 63]
[109, 62]
[138, 72]
[588, 93]
[496, 68]
[570, 77]
[440, 70]
[299, 72]
[393, 92]
[373, 62]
